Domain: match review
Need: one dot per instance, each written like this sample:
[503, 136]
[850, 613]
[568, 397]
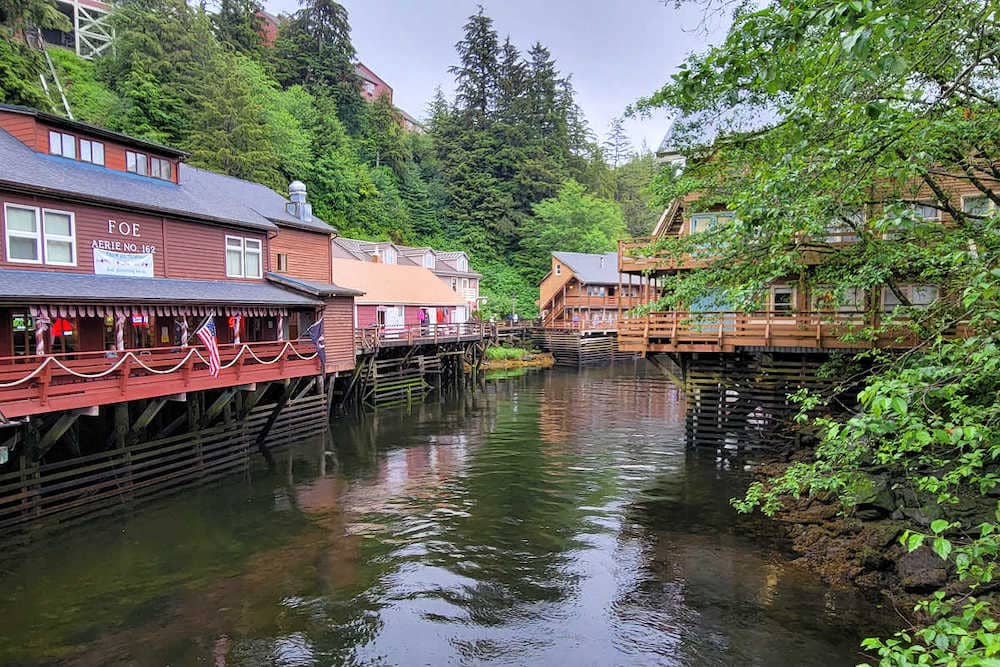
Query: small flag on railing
[208, 336]
[316, 335]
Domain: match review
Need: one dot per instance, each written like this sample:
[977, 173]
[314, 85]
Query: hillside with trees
[506, 168]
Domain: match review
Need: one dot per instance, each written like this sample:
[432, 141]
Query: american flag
[207, 335]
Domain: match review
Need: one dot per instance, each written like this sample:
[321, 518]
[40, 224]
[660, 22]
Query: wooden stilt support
[147, 416]
[218, 406]
[279, 406]
[55, 432]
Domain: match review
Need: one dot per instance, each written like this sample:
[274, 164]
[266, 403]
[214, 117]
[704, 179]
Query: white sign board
[111, 263]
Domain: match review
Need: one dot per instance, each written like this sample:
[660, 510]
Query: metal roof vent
[298, 206]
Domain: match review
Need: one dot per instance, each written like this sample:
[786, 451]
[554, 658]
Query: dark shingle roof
[313, 287]
[25, 286]
[201, 194]
[589, 267]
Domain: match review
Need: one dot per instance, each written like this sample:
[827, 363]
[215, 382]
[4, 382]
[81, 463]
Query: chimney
[298, 206]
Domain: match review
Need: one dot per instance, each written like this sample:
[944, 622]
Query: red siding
[308, 253]
[199, 251]
[91, 225]
[367, 316]
[180, 249]
[20, 127]
[338, 331]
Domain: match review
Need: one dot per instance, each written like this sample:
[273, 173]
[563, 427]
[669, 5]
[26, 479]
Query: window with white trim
[558, 269]
[386, 255]
[926, 212]
[462, 264]
[92, 151]
[62, 144]
[919, 296]
[429, 260]
[243, 257]
[978, 205]
[24, 235]
[137, 163]
[37, 236]
[59, 230]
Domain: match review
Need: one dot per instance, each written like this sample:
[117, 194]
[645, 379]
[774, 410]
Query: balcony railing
[635, 255]
[44, 383]
[372, 338]
[726, 331]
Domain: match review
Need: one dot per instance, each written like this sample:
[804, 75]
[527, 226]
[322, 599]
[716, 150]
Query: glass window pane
[98, 153]
[59, 224]
[58, 251]
[976, 205]
[55, 143]
[923, 295]
[234, 263]
[129, 161]
[22, 248]
[22, 220]
[926, 212]
[234, 243]
[69, 146]
[141, 166]
[253, 265]
[85, 151]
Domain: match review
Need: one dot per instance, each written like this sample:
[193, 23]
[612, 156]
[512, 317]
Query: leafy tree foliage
[573, 221]
[821, 110]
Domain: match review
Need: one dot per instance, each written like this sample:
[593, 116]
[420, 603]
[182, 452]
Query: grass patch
[506, 353]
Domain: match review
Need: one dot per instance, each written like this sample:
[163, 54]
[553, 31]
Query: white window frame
[242, 267]
[37, 236]
[558, 269]
[462, 264]
[63, 136]
[429, 262]
[90, 145]
[990, 206]
[260, 257]
[244, 248]
[59, 237]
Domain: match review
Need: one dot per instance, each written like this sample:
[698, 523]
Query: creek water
[550, 518]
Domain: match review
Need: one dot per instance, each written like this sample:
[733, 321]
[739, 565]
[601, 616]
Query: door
[461, 315]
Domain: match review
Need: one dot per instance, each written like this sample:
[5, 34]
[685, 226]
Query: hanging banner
[111, 263]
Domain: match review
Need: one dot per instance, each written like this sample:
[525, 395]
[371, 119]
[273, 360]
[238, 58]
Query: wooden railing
[636, 255]
[43, 383]
[370, 339]
[726, 331]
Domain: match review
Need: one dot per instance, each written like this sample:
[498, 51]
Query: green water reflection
[551, 518]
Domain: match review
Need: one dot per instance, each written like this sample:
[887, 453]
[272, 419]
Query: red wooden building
[113, 252]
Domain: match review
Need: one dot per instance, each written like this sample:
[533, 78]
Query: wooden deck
[37, 384]
[372, 339]
[677, 331]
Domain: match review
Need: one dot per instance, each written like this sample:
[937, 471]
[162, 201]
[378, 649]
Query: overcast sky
[616, 50]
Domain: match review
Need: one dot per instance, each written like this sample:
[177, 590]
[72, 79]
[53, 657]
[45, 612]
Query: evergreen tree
[616, 145]
[477, 74]
[238, 25]
[231, 133]
[314, 49]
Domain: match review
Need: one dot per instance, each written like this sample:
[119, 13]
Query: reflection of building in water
[602, 401]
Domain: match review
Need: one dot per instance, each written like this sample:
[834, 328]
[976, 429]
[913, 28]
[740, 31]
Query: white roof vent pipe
[298, 206]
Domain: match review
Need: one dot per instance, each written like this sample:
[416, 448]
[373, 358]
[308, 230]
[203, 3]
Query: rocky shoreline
[860, 547]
